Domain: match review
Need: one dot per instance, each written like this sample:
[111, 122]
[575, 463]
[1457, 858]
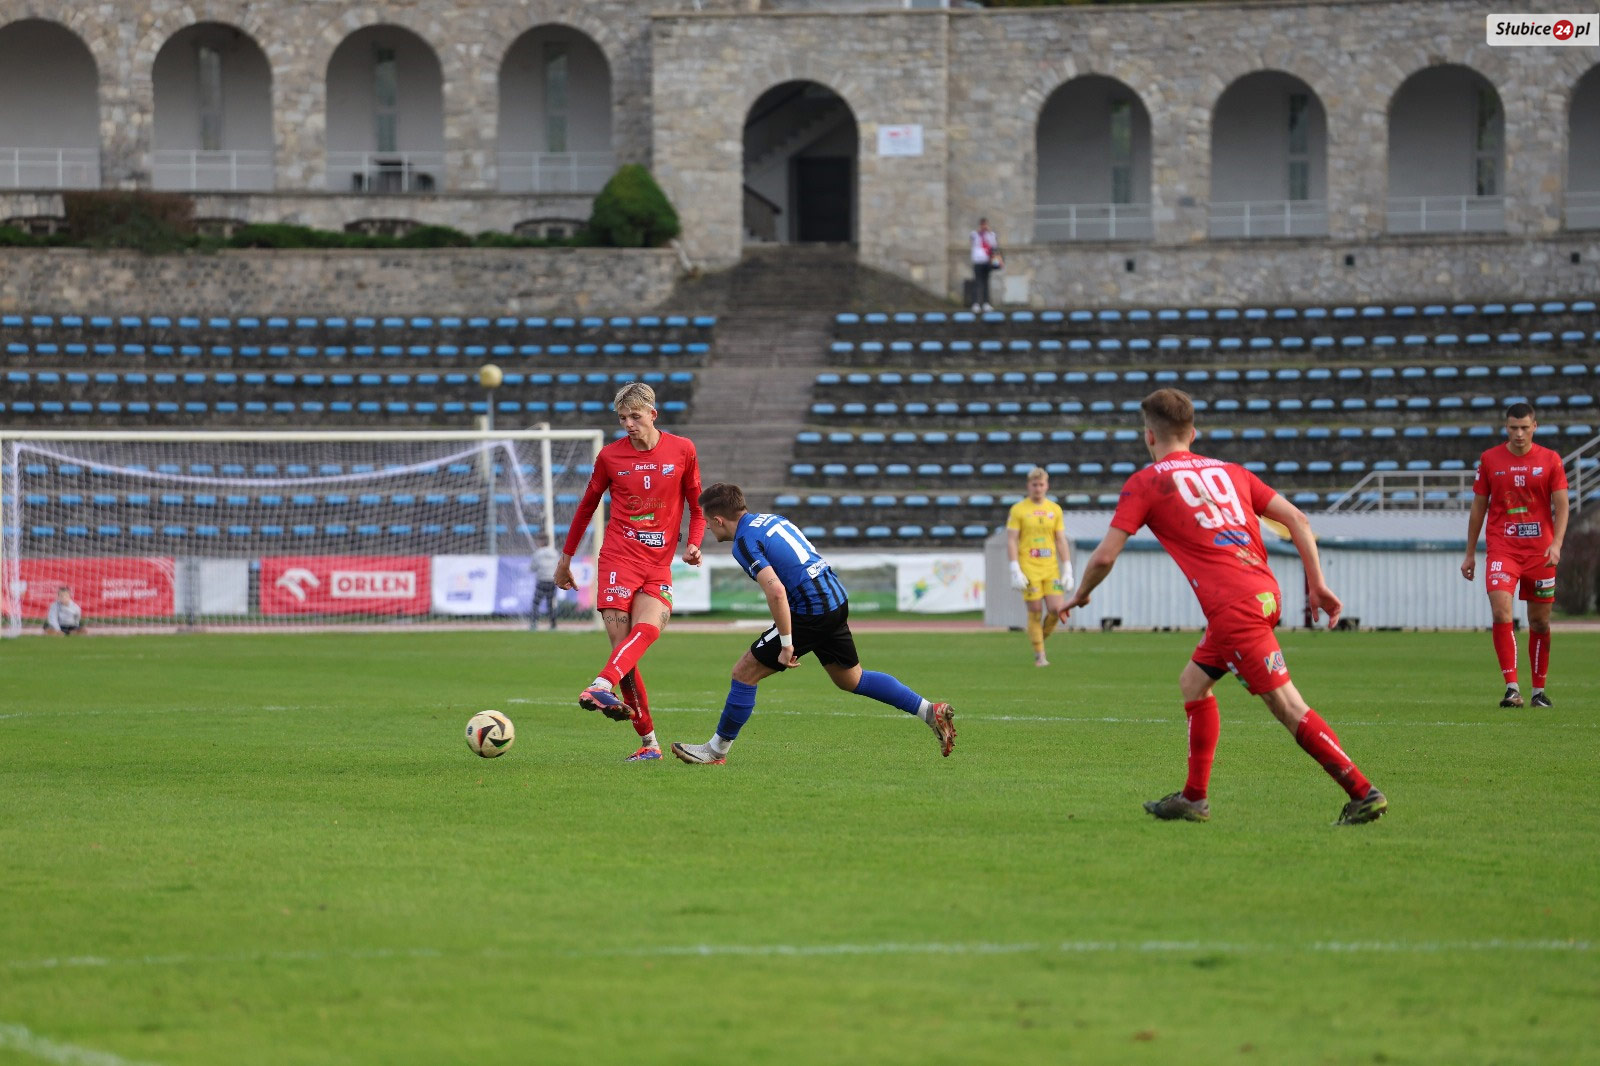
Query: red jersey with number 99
[1204, 513]
[1518, 488]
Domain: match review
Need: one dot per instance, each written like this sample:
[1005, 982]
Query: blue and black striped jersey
[763, 540]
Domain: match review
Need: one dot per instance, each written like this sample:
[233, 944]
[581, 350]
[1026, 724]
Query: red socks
[627, 654]
[1538, 656]
[1204, 726]
[1319, 741]
[634, 695]
[1505, 649]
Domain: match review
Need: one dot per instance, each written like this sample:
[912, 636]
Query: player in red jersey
[1522, 488]
[651, 475]
[1206, 514]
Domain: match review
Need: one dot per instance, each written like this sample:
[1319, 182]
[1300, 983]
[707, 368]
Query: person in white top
[64, 617]
[545, 559]
[985, 261]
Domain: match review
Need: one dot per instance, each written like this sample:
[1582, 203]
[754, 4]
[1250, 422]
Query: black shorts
[826, 634]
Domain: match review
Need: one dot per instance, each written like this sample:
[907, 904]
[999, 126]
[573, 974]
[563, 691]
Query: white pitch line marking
[18, 1038]
[1063, 947]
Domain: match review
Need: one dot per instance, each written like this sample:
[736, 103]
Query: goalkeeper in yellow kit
[1041, 561]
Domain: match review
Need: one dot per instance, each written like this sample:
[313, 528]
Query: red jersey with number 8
[1518, 489]
[1204, 513]
[649, 492]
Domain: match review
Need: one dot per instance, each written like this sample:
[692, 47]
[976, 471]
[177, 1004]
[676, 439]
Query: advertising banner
[513, 587]
[691, 588]
[939, 584]
[113, 587]
[345, 584]
[209, 587]
[464, 584]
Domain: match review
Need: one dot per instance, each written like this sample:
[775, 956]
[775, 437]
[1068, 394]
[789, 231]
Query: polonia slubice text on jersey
[1204, 513]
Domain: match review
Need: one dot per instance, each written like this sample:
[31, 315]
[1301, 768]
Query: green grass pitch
[278, 849]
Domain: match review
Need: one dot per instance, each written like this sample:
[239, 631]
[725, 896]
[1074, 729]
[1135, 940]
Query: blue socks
[886, 688]
[736, 712]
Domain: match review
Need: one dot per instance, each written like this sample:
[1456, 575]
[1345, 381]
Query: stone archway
[1583, 153]
[1446, 153]
[213, 111]
[49, 108]
[1269, 159]
[555, 121]
[801, 147]
[1093, 160]
[385, 101]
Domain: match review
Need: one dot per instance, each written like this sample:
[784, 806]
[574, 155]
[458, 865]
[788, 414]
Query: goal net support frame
[228, 530]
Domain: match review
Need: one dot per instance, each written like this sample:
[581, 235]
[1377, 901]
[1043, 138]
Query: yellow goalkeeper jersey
[1036, 525]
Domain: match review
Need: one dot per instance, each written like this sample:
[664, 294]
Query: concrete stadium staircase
[774, 320]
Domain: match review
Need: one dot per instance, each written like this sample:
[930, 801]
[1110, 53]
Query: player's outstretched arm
[1319, 597]
[1480, 507]
[1097, 569]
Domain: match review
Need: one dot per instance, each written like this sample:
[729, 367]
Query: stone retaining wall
[1217, 273]
[443, 281]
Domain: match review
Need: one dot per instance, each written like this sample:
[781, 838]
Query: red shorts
[1504, 572]
[1239, 638]
[618, 581]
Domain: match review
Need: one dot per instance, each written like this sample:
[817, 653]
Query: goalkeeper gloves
[1019, 580]
[1068, 578]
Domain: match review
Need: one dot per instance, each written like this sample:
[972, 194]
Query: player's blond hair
[1168, 413]
[1038, 473]
[634, 396]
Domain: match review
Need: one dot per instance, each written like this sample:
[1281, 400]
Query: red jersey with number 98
[1518, 488]
[1204, 513]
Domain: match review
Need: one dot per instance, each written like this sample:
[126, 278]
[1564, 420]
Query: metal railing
[1408, 490]
[385, 172]
[49, 168]
[1447, 214]
[1269, 218]
[579, 172]
[760, 216]
[1583, 209]
[1583, 472]
[248, 170]
[1091, 222]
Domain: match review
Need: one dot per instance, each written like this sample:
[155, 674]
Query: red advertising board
[345, 584]
[111, 587]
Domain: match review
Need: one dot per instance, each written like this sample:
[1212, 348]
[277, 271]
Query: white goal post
[168, 530]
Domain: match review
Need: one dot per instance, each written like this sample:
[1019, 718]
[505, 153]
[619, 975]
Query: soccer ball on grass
[490, 733]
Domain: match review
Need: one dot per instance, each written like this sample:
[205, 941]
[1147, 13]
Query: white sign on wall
[900, 140]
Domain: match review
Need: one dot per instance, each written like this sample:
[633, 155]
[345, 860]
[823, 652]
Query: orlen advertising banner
[345, 584]
[105, 588]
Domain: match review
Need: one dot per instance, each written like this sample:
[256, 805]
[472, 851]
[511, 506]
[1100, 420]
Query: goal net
[170, 531]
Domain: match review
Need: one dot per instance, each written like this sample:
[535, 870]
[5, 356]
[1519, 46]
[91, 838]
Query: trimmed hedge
[632, 211]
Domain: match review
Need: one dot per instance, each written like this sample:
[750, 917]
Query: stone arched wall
[299, 39]
[622, 34]
[1005, 63]
[888, 70]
